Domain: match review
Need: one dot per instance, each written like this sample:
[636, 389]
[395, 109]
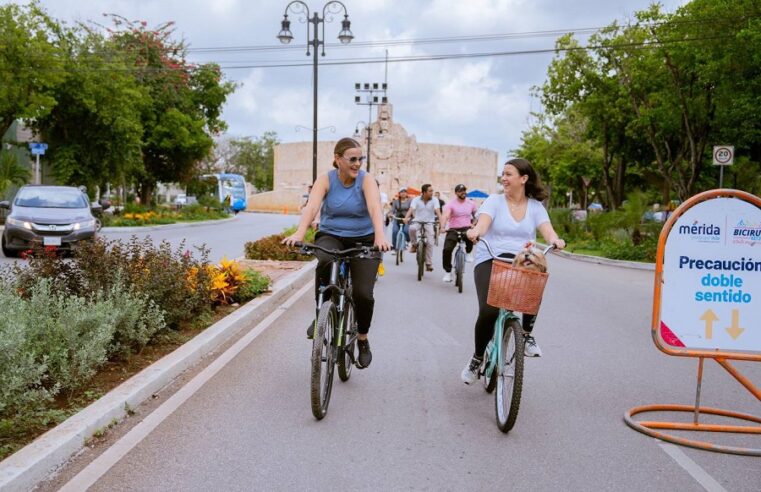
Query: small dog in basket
[531, 258]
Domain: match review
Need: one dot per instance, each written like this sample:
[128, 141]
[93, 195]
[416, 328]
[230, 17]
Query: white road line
[92, 473]
[699, 474]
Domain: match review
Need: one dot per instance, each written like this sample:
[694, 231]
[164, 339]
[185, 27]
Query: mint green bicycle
[511, 290]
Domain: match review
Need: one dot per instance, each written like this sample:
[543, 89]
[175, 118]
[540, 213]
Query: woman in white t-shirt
[508, 221]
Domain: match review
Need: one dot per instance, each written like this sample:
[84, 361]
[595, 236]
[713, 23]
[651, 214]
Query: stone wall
[397, 160]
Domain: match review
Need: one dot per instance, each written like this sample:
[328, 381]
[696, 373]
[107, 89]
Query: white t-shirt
[506, 235]
[424, 212]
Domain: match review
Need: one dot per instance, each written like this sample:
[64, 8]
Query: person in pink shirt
[458, 216]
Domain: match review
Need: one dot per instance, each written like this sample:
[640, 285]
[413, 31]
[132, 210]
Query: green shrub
[254, 284]
[23, 373]
[71, 334]
[159, 273]
[137, 320]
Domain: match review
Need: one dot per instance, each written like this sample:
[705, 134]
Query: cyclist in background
[458, 216]
[508, 221]
[424, 208]
[399, 208]
[348, 201]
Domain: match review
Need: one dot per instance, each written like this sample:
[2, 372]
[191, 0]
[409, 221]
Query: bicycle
[421, 244]
[400, 241]
[436, 227]
[459, 260]
[335, 334]
[510, 290]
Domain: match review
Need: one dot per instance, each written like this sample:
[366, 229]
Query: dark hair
[425, 187]
[460, 187]
[342, 146]
[534, 187]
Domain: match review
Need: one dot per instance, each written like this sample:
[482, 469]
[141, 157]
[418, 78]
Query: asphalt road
[407, 422]
[224, 238]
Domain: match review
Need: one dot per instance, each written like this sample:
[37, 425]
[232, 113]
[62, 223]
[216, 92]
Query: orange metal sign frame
[721, 357]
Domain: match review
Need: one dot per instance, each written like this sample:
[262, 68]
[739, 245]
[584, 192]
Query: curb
[32, 464]
[636, 265]
[176, 225]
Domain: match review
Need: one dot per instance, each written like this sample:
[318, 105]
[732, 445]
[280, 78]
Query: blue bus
[232, 185]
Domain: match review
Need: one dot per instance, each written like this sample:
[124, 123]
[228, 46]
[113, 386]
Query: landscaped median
[137, 216]
[104, 326]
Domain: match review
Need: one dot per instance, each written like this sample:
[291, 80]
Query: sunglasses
[354, 160]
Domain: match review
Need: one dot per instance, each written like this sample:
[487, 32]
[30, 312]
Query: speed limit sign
[723, 155]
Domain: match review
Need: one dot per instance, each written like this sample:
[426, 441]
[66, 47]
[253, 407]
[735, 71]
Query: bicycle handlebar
[306, 247]
[509, 260]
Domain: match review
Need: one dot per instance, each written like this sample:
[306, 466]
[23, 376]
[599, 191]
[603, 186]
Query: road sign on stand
[707, 304]
[723, 155]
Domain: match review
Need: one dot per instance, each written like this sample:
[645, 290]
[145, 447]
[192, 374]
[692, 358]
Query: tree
[30, 64]
[11, 172]
[94, 131]
[184, 103]
[255, 159]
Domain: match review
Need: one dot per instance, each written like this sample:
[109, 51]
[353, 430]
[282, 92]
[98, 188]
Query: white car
[181, 199]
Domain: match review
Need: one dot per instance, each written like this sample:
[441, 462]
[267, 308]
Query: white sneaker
[469, 374]
[531, 349]
[447, 277]
[469, 258]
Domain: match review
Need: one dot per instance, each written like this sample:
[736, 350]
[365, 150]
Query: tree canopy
[652, 97]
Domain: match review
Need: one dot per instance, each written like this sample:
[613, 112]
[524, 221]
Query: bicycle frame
[492, 350]
[338, 286]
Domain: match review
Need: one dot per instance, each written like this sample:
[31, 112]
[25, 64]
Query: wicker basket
[515, 289]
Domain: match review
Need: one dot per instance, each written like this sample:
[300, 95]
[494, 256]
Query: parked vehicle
[182, 199]
[59, 216]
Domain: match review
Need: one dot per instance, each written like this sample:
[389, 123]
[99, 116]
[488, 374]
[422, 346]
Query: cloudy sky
[480, 101]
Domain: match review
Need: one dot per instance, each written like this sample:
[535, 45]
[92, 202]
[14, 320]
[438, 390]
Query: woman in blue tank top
[348, 200]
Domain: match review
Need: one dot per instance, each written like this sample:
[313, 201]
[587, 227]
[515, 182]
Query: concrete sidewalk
[35, 462]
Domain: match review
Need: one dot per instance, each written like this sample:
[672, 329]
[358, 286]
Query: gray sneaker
[469, 374]
[365, 355]
[531, 349]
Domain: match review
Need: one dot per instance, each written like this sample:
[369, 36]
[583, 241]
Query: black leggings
[487, 315]
[449, 244]
[363, 272]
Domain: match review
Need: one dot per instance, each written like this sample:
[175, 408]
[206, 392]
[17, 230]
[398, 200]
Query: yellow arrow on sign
[735, 330]
[709, 317]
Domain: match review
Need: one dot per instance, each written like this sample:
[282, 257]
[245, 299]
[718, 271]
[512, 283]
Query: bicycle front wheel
[399, 247]
[323, 359]
[420, 260]
[509, 372]
[459, 268]
[346, 353]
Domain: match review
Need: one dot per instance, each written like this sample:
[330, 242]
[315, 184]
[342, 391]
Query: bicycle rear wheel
[420, 260]
[459, 268]
[346, 353]
[509, 373]
[323, 359]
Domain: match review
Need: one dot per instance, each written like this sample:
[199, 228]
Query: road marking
[699, 474]
[95, 470]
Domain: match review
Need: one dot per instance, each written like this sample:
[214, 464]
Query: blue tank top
[344, 210]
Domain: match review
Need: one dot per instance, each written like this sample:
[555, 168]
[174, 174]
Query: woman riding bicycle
[348, 200]
[508, 221]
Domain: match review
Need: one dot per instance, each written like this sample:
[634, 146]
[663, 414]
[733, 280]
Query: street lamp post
[345, 36]
[369, 139]
[370, 101]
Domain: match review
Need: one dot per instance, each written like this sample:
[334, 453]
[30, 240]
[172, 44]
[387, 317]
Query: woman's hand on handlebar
[559, 243]
[382, 244]
[472, 235]
[294, 238]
